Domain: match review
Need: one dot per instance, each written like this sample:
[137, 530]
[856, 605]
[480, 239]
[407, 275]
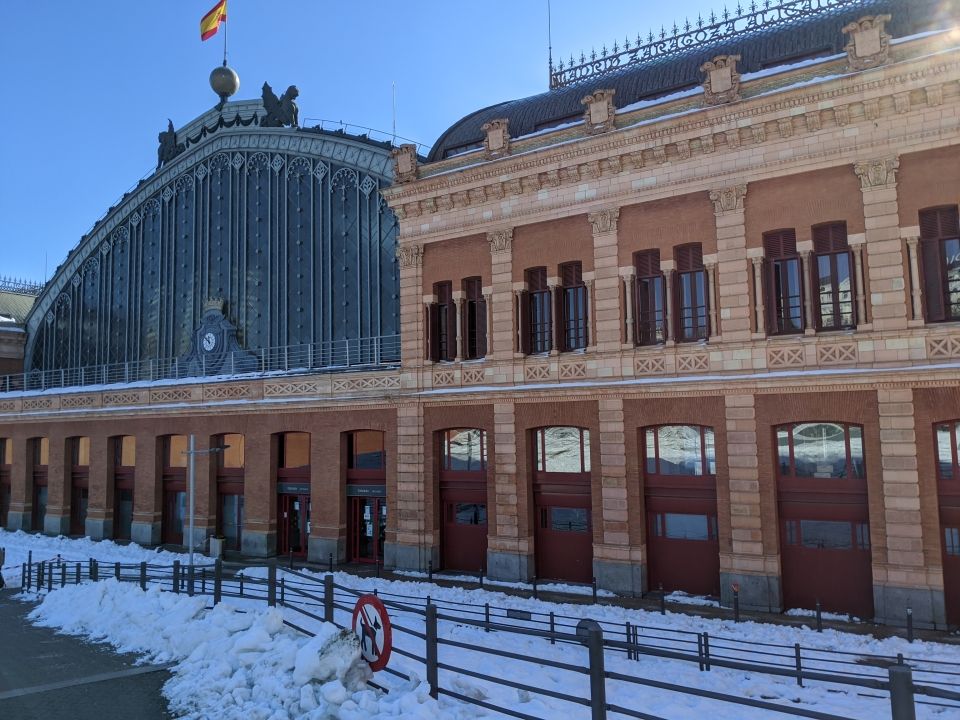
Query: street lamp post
[191, 453]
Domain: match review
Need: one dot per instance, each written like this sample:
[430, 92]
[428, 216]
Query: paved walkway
[45, 676]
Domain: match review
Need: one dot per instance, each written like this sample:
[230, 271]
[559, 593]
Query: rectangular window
[294, 450]
[684, 450]
[464, 450]
[791, 531]
[365, 450]
[784, 282]
[940, 262]
[474, 319]
[563, 450]
[469, 513]
[569, 519]
[946, 446]
[539, 335]
[691, 294]
[651, 323]
[951, 541]
[833, 277]
[573, 297]
[826, 535]
[443, 324]
[125, 451]
[682, 526]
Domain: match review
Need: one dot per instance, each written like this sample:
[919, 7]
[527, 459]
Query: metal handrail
[376, 352]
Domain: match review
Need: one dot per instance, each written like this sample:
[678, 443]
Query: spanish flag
[211, 21]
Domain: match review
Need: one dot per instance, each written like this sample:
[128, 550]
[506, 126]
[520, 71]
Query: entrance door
[231, 519]
[368, 528]
[78, 510]
[464, 529]
[683, 552]
[122, 513]
[950, 539]
[294, 525]
[174, 514]
[564, 538]
[39, 503]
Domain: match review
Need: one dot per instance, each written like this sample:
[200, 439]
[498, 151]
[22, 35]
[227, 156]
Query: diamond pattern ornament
[237, 160]
[167, 194]
[320, 171]
[201, 172]
[276, 163]
[367, 185]
[135, 218]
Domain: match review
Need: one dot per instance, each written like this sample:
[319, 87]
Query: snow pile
[233, 662]
[19, 544]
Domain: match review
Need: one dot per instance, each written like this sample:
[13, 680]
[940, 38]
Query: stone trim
[496, 138]
[410, 256]
[600, 112]
[501, 241]
[728, 199]
[879, 173]
[869, 44]
[722, 81]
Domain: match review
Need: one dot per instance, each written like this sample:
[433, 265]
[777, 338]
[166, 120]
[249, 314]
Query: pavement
[45, 676]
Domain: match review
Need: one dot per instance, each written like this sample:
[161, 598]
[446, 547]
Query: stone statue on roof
[281, 111]
[169, 147]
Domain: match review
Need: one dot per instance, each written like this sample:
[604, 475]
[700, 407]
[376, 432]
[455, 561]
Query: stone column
[458, 297]
[328, 527]
[488, 317]
[806, 257]
[592, 312]
[21, 486]
[888, 299]
[732, 272]
[711, 267]
[509, 546]
[860, 280]
[913, 250]
[608, 315]
[56, 521]
[259, 537]
[616, 565]
[666, 267]
[556, 318]
[99, 524]
[416, 543]
[517, 295]
[749, 564]
[147, 492]
[629, 293]
[500, 333]
[759, 304]
[412, 330]
[905, 580]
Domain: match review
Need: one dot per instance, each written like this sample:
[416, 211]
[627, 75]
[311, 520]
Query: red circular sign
[372, 626]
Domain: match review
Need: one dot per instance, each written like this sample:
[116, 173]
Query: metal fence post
[486, 617]
[910, 625]
[50, 576]
[797, 658]
[901, 692]
[283, 594]
[272, 585]
[217, 581]
[328, 598]
[598, 685]
[79, 571]
[116, 571]
[176, 576]
[94, 570]
[706, 651]
[432, 674]
[63, 575]
[143, 576]
[190, 577]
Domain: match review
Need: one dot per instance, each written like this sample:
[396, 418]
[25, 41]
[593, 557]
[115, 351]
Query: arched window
[680, 450]
[562, 450]
[463, 450]
[365, 450]
[820, 450]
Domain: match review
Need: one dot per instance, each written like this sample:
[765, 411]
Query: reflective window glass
[951, 541]
[563, 450]
[783, 451]
[176, 455]
[945, 451]
[6, 451]
[826, 534]
[681, 526]
[232, 456]
[820, 450]
[650, 436]
[295, 450]
[469, 513]
[80, 451]
[365, 450]
[688, 450]
[464, 450]
[569, 519]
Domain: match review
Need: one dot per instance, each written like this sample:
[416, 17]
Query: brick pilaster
[415, 543]
[56, 521]
[259, 537]
[147, 491]
[328, 513]
[887, 291]
[501, 336]
[607, 333]
[732, 270]
[99, 523]
[905, 580]
[509, 543]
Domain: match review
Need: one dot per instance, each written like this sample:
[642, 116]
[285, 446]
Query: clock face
[209, 341]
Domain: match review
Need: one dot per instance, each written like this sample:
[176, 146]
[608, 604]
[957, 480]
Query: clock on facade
[209, 341]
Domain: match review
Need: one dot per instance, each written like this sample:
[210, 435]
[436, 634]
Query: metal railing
[337, 355]
[312, 598]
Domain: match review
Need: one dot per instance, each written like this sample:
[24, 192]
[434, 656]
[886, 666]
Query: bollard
[328, 598]
[736, 602]
[819, 618]
[553, 627]
[486, 617]
[663, 601]
[481, 578]
[78, 571]
[63, 575]
[535, 587]
[217, 581]
[594, 588]
[203, 581]
[430, 570]
[143, 576]
[796, 657]
[598, 687]
[901, 693]
[176, 576]
[431, 659]
[49, 576]
[241, 584]
[706, 652]
[909, 625]
[190, 578]
[272, 585]
[283, 593]
[291, 558]
[94, 570]
[330, 562]
[116, 571]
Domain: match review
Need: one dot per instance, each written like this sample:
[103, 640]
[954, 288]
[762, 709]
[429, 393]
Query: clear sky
[90, 83]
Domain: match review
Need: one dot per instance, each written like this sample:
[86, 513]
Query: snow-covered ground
[830, 651]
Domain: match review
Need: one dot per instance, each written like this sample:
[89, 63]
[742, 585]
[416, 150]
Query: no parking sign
[372, 626]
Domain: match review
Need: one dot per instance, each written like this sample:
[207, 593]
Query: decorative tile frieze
[39, 403]
[172, 394]
[410, 255]
[650, 365]
[360, 384]
[501, 241]
[782, 357]
[444, 377]
[227, 392]
[604, 221]
[693, 362]
[288, 389]
[472, 376]
[68, 402]
[8, 406]
[837, 354]
[535, 372]
[939, 348]
[572, 370]
[112, 399]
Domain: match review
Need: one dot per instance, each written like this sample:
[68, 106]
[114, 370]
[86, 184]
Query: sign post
[372, 626]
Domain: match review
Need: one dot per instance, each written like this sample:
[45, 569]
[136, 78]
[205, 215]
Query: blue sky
[88, 85]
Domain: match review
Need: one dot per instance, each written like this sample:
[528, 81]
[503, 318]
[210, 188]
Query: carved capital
[496, 138]
[721, 84]
[604, 221]
[410, 255]
[501, 241]
[868, 45]
[404, 163]
[877, 173]
[728, 199]
[600, 112]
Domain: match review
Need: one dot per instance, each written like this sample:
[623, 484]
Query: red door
[174, 511]
[78, 507]
[950, 541]
[294, 524]
[367, 528]
[564, 535]
[464, 534]
[683, 552]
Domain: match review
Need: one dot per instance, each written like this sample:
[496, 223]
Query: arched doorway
[824, 520]
[463, 499]
[293, 493]
[562, 504]
[174, 451]
[124, 468]
[79, 484]
[680, 489]
[366, 495]
[230, 462]
[948, 492]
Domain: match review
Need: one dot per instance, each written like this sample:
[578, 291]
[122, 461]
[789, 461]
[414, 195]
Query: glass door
[368, 528]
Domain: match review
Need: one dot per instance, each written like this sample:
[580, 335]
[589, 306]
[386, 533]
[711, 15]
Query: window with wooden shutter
[940, 262]
[573, 310]
[690, 294]
[443, 323]
[474, 319]
[650, 317]
[833, 276]
[784, 291]
[537, 312]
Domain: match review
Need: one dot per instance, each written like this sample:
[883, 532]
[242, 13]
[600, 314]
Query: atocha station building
[690, 319]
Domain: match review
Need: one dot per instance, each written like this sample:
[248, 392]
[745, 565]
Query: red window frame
[650, 300]
[445, 460]
[540, 446]
[940, 228]
[830, 246]
[536, 312]
[784, 299]
[800, 488]
[361, 475]
[953, 427]
[691, 294]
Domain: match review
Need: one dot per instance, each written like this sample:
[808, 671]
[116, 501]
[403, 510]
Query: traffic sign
[372, 626]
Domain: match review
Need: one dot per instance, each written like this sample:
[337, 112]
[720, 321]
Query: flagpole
[225, 26]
